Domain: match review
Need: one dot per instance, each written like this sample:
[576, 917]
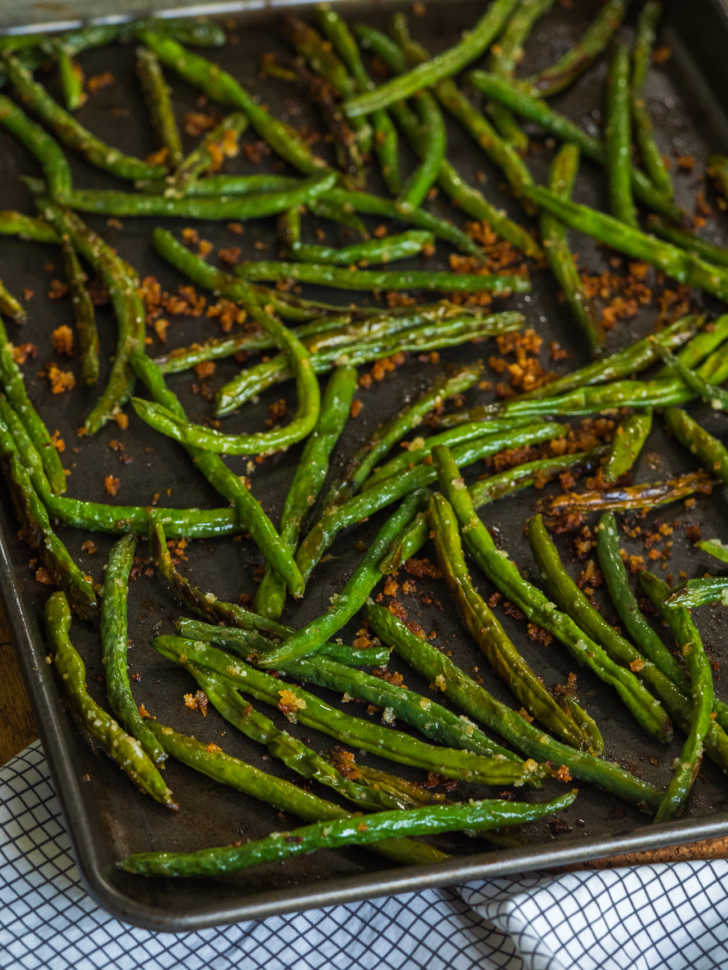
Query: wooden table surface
[18, 728]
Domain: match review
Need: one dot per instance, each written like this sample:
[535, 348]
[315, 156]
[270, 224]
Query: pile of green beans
[371, 89]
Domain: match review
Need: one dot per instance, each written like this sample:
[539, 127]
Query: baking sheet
[107, 817]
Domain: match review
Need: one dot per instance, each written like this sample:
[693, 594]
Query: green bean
[715, 396]
[487, 631]
[533, 741]
[392, 489]
[239, 208]
[699, 592]
[255, 443]
[128, 307]
[43, 146]
[646, 495]
[575, 61]
[10, 305]
[308, 709]
[294, 753]
[433, 142]
[444, 65]
[84, 313]
[700, 347]
[684, 267]
[113, 621]
[351, 598]
[372, 280]
[662, 592]
[715, 548]
[360, 465]
[249, 511]
[13, 385]
[701, 689]
[334, 211]
[627, 444]
[198, 33]
[159, 104]
[118, 745]
[446, 332]
[249, 644]
[646, 709]
[280, 794]
[558, 253]
[70, 76]
[636, 357]
[618, 137]
[521, 101]
[308, 480]
[626, 604]
[717, 169]
[708, 449]
[386, 144]
[327, 65]
[25, 227]
[238, 184]
[221, 86]
[431, 719]
[710, 252]
[277, 792]
[452, 98]
[420, 449]
[117, 519]
[469, 199]
[374, 205]
[643, 129]
[69, 131]
[384, 250]
[39, 533]
[354, 830]
[583, 401]
[505, 57]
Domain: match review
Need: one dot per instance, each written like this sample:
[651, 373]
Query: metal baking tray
[106, 817]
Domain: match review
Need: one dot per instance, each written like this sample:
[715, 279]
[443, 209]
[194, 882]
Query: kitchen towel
[671, 916]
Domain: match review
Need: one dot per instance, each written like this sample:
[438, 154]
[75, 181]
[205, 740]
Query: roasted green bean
[308, 480]
[114, 632]
[120, 747]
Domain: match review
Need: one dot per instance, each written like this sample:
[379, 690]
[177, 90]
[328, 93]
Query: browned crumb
[62, 339]
[21, 352]
[111, 484]
[60, 380]
[197, 123]
[57, 289]
[99, 81]
[197, 702]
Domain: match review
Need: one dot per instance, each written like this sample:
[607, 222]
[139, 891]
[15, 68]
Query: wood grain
[17, 721]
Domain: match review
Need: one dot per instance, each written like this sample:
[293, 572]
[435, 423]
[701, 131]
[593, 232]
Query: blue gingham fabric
[645, 918]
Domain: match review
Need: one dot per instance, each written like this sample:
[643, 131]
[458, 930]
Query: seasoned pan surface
[106, 817]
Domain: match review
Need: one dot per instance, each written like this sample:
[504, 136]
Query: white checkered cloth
[646, 918]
